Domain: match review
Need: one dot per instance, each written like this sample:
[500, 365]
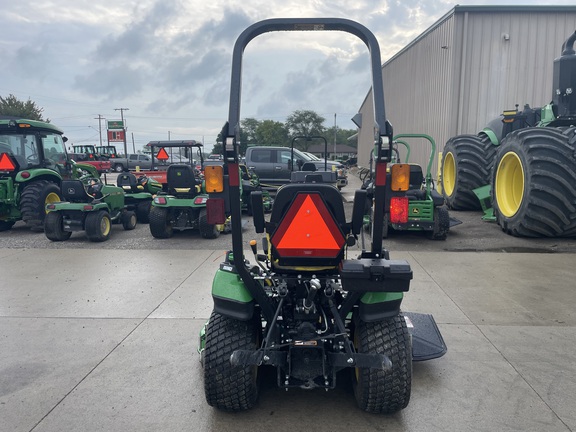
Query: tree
[305, 123]
[270, 132]
[12, 106]
[342, 136]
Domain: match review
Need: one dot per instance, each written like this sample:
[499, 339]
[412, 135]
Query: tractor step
[427, 341]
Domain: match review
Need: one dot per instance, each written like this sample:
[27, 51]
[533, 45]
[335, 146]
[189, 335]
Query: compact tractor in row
[311, 306]
[521, 168]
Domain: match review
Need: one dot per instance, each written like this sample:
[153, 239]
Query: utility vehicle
[304, 307]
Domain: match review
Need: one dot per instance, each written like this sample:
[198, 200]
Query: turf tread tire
[384, 391]
[227, 387]
[207, 230]
[53, 227]
[159, 223]
[548, 206]
[93, 226]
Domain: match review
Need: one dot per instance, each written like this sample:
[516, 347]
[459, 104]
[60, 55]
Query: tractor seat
[308, 166]
[416, 176]
[181, 181]
[128, 182]
[307, 227]
[74, 191]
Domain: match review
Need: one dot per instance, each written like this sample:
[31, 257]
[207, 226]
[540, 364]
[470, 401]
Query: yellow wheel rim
[449, 174]
[105, 226]
[509, 184]
[51, 198]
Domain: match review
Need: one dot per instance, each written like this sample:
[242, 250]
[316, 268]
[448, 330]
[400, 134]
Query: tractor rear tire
[466, 165]
[143, 211]
[384, 391]
[441, 223]
[129, 220]
[98, 226]
[33, 202]
[227, 387]
[534, 178]
[207, 230]
[53, 227]
[160, 226]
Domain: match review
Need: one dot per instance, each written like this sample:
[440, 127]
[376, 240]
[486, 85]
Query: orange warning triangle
[6, 163]
[162, 155]
[308, 230]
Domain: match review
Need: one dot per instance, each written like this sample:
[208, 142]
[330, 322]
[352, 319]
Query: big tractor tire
[160, 226]
[98, 226]
[53, 227]
[534, 183]
[384, 391]
[227, 387]
[143, 211]
[466, 165]
[441, 224]
[207, 230]
[33, 202]
[129, 220]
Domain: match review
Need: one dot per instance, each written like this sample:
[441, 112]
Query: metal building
[472, 64]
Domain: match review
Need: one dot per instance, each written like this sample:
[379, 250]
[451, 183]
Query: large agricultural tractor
[33, 162]
[528, 158]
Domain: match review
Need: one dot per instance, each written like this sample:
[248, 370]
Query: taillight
[25, 174]
[88, 207]
[400, 174]
[50, 207]
[160, 200]
[399, 210]
[214, 178]
[200, 200]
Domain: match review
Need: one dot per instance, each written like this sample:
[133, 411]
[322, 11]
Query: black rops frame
[231, 133]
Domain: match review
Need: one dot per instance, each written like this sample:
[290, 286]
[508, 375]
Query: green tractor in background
[91, 207]
[420, 207]
[33, 163]
[138, 193]
[521, 168]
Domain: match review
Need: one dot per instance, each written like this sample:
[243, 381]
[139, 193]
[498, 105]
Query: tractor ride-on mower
[421, 207]
[138, 193]
[304, 308]
[91, 207]
[182, 203]
[251, 183]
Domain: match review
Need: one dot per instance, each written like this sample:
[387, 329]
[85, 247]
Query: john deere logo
[416, 211]
[71, 191]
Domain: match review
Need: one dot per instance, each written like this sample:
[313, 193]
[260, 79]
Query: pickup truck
[274, 166]
[144, 162]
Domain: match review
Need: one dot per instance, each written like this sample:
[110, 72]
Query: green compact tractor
[33, 163]
[91, 207]
[521, 168]
[182, 203]
[303, 308]
[138, 193]
[417, 206]
[251, 183]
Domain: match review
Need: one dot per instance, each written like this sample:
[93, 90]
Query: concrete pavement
[94, 340]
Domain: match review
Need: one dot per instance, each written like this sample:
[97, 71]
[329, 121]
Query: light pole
[100, 118]
[123, 127]
[334, 136]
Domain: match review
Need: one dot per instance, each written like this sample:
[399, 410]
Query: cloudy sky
[168, 61]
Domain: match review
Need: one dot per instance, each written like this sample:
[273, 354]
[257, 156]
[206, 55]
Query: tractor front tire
[384, 391]
[227, 387]
[33, 202]
[160, 226]
[53, 227]
[129, 220]
[207, 230]
[98, 226]
[533, 182]
[466, 165]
